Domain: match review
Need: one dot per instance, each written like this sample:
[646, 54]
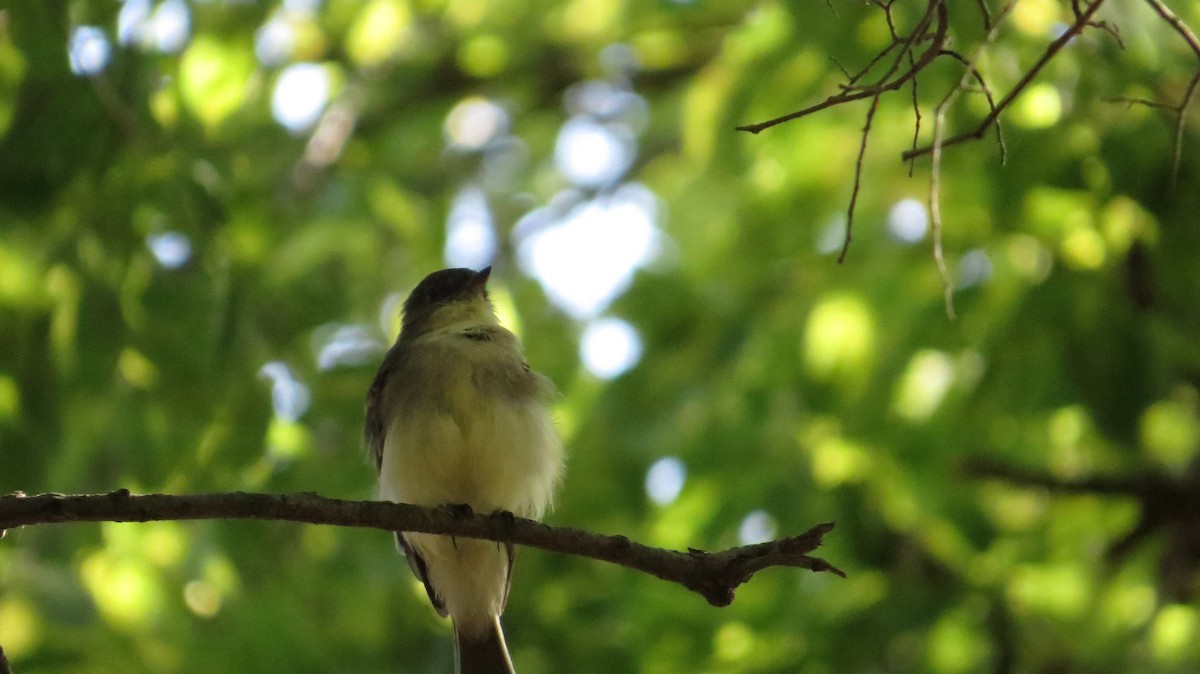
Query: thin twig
[916, 107]
[986, 14]
[1180, 123]
[1177, 24]
[1099, 484]
[1131, 101]
[935, 209]
[937, 41]
[845, 73]
[851, 90]
[939, 129]
[851, 83]
[970, 66]
[1105, 26]
[715, 576]
[1051, 51]
[858, 165]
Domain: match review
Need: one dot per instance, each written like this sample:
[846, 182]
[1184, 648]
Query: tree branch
[852, 91]
[715, 576]
[1131, 486]
[1177, 24]
[939, 130]
[858, 167]
[1082, 20]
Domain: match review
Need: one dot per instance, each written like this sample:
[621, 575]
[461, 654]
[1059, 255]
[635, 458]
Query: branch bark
[1081, 22]
[852, 91]
[715, 576]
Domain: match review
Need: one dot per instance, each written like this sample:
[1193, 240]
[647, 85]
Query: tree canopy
[210, 211]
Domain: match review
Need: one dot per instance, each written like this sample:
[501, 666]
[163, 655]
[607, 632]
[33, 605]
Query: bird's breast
[476, 434]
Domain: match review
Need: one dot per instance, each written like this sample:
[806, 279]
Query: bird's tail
[484, 652]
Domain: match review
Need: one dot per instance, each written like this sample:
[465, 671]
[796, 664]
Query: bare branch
[985, 13]
[1180, 123]
[858, 165]
[715, 576]
[1177, 24]
[970, 66]
[916, 108]
[1180, 109]
[890, 80]
[1105, 26]
[939, 129]
[1081, 22]
[935, 209]
[936, 11]
[1131, 101]
[1110, 486]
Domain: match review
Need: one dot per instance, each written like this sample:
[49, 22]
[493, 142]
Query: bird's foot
[459, 511]
[505, 516]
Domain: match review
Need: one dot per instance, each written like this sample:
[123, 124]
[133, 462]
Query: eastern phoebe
[455, 416]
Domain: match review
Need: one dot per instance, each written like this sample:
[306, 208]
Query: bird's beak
[481, 278]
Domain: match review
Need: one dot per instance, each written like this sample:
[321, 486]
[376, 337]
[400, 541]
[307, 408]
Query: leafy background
[194, 296]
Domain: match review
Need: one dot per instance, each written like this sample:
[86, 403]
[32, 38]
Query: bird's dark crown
[439, 289]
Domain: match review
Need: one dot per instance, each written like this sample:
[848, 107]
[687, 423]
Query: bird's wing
[375, 433]
[375, 427]
[512, 556]
[417, 564]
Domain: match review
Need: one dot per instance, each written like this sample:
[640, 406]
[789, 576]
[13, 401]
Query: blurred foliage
[174, 261]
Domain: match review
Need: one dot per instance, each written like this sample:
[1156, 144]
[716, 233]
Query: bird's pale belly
[503, 456]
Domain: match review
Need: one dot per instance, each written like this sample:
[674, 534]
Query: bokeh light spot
[1170, 429]
[757, 527]
[609, 347]
[202, 598]
[1059, 591]
[836, 461]
[470, 234]
[214, 77]
[170, 26]
[10, 399]
[132, 22]
[591, 154]
[1173, 633]
[19, 626]
[1083, 247]
[300, 95]
[1040, 107]
[289, 397]
[483, 56]
[974, 269]
[587, 258]
[274, 41]
[839, 337]
[345, 345]
[474, 122]
[88, 50]
[172, 250]
[923, 385]
[378, 32]
[124, 591]
[733, 642]
[908, 220]
[665, 480]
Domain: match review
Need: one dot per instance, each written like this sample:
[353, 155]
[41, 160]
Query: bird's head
[445, 298]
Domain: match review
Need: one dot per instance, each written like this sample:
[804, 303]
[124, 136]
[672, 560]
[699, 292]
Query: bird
[456, 418]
